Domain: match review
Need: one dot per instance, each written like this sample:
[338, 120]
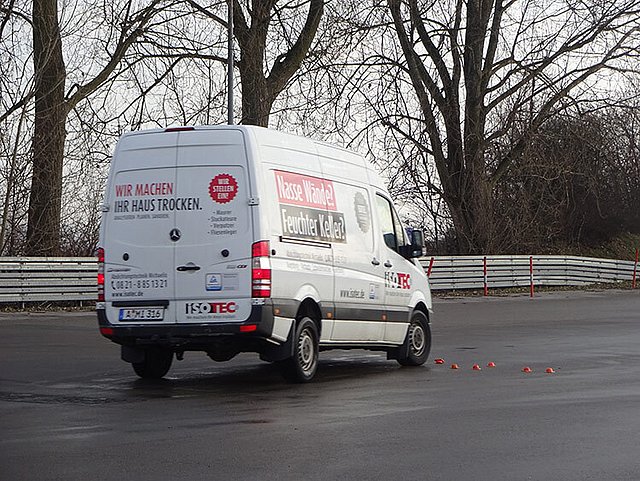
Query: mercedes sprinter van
[234, 239]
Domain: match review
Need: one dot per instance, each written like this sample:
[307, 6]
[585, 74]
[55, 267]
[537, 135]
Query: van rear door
[139, 254]
[213, 220]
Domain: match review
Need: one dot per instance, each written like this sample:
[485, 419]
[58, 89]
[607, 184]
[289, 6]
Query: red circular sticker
[223, 188]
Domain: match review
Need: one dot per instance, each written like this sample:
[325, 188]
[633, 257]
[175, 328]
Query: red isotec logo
[210, 307]
[223, 188]
[397, 280]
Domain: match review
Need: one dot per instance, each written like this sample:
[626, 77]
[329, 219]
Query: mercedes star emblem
[174, 235]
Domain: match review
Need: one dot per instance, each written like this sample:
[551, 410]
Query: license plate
[142, 314]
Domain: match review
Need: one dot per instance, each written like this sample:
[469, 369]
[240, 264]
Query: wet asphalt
[71, 410]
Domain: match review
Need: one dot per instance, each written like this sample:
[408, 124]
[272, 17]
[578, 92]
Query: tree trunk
[43, 229]
[256, 98]
[259, 88]
[256, 106]
[472, 213]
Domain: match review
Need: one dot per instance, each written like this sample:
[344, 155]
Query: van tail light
[260, 269]
[100, 254]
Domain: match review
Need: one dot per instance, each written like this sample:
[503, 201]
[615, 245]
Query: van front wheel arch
[417, 343]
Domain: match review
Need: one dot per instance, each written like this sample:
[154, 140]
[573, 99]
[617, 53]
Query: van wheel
[302, 366]
[417, 344]
[156, 364]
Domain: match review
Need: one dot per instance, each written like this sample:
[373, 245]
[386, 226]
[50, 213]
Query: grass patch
[622, 247]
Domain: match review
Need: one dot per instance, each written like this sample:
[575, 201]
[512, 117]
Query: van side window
[390, 225]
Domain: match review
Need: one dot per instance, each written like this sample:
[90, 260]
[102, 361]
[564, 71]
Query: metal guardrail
[476, 272]
[42, 279]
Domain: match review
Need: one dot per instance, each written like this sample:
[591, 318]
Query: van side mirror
[415, 249]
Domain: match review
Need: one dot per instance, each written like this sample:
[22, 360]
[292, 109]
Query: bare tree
[135, 66]
[15, 86]
[53, 102]
[49, 131]
[488, 74]
[268, 30]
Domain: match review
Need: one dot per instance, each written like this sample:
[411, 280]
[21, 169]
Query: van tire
[156, 364]
[417, 344]
[302, 366]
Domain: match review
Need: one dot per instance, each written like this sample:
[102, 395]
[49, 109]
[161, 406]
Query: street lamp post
[230, 62]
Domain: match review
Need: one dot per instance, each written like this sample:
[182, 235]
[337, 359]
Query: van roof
[259, 132]
[272, 137]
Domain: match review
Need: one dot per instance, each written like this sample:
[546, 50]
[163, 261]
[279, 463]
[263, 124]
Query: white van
[237, 239]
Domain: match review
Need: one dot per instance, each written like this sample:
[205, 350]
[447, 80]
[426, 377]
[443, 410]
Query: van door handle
[188, 267]
[388, 264]
[375, 262]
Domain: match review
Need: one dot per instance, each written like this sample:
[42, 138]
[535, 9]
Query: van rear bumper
[191, 336]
